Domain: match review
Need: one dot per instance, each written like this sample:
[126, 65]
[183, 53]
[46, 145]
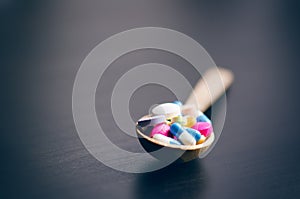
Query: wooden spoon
[208, 89]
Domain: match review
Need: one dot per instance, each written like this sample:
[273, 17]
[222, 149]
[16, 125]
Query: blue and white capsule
[202, 117]
[196, 134]
[182, 135]
[166, 139]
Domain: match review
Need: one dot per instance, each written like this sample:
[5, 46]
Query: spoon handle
[210, 87]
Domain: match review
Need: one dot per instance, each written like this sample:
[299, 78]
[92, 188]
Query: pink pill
[162, 128]
[205, 128]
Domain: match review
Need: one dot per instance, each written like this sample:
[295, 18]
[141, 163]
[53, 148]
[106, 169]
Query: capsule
[196, 134]
[166, 139]
[202, 139]
[202, 117]
[182, 135]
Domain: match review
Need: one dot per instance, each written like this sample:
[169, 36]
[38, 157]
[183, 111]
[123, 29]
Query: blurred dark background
[43, 44]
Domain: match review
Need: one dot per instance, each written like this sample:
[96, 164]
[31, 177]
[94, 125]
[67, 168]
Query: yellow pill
[202, 139]
[172, 120]
[177, 119]
[189, 121]
[169, 121]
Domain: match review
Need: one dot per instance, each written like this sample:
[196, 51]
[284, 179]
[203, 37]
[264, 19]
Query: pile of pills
[174, 123]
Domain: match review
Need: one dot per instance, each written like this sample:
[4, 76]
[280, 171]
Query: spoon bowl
[205, 93]
[189, 152]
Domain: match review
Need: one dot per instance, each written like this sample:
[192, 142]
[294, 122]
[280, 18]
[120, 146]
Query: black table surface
[42, 47]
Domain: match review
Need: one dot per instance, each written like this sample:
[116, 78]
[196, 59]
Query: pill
[202, 117]
[162, 128]
[151, 120]
[166, 139]
[167, 109]
[202, 139]
[177, 118]
[205, 128]
[182, 135]
[196, 134]
[179, 103]
[189, 121]
[171, 120]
